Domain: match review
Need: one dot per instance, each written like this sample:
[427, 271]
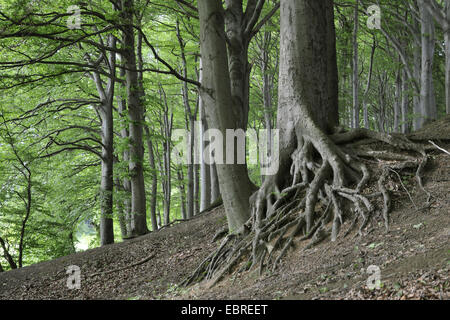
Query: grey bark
[397, 102]
[369, 82]
[135, 113]
[6, 254]
[205, 175]
[416, 98]
[182, 193]
[122, 106]
[405, 102]
[223, 111]
[154, 174]
[121, 212]
[166, 172]
[190, 123]
[105, 111]
[442, 16]
[267, 85]
[308, 107]
[427, 98]
[355, 73]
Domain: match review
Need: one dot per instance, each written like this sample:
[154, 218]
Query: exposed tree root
[330, 183]
[126, 267]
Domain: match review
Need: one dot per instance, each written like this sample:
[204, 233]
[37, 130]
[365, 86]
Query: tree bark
[223, 112]
[442, 16]
[397, 102]
[135, 113]
[369, 82]
[355, 73]
[154, 192]
[7, 255]
[105, 110]
[405, 102]
[124, 133]
[308, 107]
[182, 193]
[427, 98]
[205, 175]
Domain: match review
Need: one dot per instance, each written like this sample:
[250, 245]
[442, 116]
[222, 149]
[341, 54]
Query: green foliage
[49, 115]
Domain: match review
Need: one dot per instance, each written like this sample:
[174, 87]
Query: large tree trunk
[239, 67]
[308, 110]
[442, 16]
[223, 112]
[305, 51]
[135, 113]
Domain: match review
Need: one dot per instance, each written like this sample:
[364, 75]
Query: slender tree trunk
[135, 113]
[427, 99]
[126, 158]
[405, 102]
[107, 182]
[190, 125]
[105, 110]
[121, 212]
[417, 123]
[167, 172]
[7, 255]
[182, 193]
[205, 175]
[397, 102]
[267, 89]
[154, 192]
[355, 69]
[196, 189]
[369, 82]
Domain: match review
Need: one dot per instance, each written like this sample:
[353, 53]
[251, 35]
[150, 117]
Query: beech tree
[316, 168]
[95, 106]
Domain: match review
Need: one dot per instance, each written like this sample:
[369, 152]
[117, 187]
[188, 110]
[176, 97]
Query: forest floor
[413, 257]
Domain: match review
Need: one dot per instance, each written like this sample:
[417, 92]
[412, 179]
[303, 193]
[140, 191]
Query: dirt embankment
[413, 258]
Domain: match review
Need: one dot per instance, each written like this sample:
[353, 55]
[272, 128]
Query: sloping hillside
[413, 258]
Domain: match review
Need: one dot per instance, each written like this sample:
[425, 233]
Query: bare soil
[413, 257]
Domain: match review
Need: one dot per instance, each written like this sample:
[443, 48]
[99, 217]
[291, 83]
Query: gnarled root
[330, 183]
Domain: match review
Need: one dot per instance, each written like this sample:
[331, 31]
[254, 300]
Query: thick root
[329, 185]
